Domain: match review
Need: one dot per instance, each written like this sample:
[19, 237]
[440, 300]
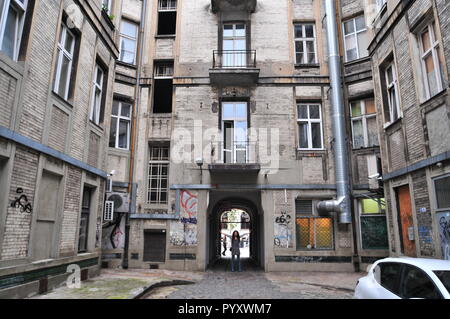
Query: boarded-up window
[155, 245]
[7, 97]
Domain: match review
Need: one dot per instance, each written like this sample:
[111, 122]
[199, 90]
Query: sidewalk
[122, 284]
[334, 280]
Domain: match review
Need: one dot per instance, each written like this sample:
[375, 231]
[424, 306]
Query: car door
[416, 283]
[388, 277]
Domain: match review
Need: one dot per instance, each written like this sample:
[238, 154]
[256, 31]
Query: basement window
[167, 17]
[163, 87]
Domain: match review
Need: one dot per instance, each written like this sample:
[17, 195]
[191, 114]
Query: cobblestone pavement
[252, 285]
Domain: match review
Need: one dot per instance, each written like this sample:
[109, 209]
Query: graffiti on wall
[282, 231]
[113, 234]
[184, 231]
[444, 233]
[22, 202]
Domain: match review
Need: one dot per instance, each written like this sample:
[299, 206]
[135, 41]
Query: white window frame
[363, 118]
[304, 40]
[309, 121]
[119, 117]
[160, 163]
[96, 103]
[433, 50]
[61, 53]
[167, 70]
[122, 35]
[380, 4]
[392, 85]
[171, 5]
[235, 148]
[107, 4]
[354, 34]
[20, 9]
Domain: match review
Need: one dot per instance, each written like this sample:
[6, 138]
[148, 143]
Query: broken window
[163, 87]
[167, 17]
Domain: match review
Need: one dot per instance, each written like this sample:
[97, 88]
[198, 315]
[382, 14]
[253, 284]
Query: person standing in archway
[235, 250]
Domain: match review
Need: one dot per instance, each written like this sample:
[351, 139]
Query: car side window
[417, 284]
[390, 276]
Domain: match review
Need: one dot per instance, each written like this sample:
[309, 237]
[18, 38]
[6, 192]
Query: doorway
[405, 221]
[229, 216]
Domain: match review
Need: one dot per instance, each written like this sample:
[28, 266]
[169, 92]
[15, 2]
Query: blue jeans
[238, 261]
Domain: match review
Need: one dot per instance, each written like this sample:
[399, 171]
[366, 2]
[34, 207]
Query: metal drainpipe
[137, 93]
[342, 204]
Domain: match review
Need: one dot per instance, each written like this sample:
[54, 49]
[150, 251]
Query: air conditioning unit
[121, 201]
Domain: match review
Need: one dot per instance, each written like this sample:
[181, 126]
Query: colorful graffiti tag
[184, 232]
[444, 233]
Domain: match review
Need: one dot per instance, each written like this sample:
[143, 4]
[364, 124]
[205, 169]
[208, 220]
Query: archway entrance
[227, 216]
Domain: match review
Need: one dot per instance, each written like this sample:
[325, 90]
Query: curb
[164, 283]
[328, 287]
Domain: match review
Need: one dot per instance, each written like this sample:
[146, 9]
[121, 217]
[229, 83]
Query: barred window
[373, 224]
[312, 232]
[158, 175]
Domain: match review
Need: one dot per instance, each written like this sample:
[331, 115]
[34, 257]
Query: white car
[405, 278]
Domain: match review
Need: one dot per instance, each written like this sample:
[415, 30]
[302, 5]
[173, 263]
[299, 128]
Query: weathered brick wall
[8, 86]
[423, 213]
[18, 223]
[58, 129]
[72, 198]
[46, 21]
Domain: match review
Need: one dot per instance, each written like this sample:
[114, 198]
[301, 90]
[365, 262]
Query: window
[312, 232]
[364, 123]
[305, 43]
[390, 94]
[84, 220]
[66, 47]
[107, 6]
[310, 126]
[97, 95]
[234, 129]
[128, 42]
[12, 17]
[163, 87]
[417, 284]
[167, 17]
[355, 39]
[234, 45]
[119, 136]
[442, 188]
[373, 223]
[390, 276]
[380, 4]
[431, 61]
[158, 175]
[444, 277]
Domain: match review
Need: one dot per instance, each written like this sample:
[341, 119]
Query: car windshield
[444, 277]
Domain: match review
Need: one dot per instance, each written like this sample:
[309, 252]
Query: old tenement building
[137, 133]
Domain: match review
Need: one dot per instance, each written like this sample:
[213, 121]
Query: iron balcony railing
[234, 59]
[237, 152]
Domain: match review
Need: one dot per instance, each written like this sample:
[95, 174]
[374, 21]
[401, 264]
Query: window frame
[403, 275]
[119, 117]
[96, 104]
[437, 209]
[304, 40]
[363, 118]
[433, 50]
[62, 52]
[160, 163]
[168, 7]
[85, 210]
[309, 121]
[354, 34]
[125, 36]
[392, 85]
[369, 215]
[107, 6]
[21, 10]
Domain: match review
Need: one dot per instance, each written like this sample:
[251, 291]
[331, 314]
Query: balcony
[234, 67]
[233, 5]
[237, 157]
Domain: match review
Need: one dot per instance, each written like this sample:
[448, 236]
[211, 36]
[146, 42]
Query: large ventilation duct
[342, 204]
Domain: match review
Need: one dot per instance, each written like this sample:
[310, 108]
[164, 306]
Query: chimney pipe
[342, 204]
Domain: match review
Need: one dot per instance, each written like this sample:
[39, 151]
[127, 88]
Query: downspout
[342, 204]
[132, 188]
